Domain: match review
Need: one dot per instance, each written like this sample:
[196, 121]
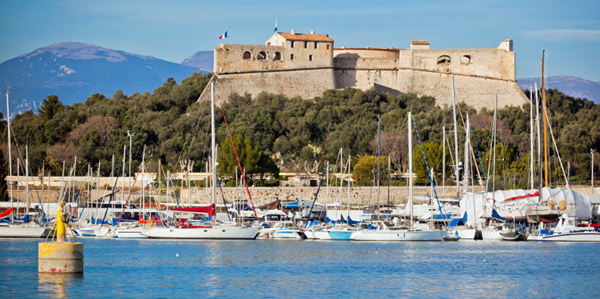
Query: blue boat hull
[340, 235]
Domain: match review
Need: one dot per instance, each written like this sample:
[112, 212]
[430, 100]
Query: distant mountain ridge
[74, 71]
[202, 60]
[569, 85]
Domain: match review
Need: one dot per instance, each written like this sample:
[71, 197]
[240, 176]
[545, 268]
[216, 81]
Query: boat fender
[562, 205]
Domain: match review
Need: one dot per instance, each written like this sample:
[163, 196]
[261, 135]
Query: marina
[353, 150]
[168, 268]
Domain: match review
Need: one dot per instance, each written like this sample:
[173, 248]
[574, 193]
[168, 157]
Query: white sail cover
[578, 202]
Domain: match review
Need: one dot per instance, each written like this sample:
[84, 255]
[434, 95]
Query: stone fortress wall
[305, 65]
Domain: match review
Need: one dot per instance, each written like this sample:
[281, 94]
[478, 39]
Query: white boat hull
[492, 235]
[317, 234]
[567, 237]
[465, 234]
[16, 231]
[322, 235]
[132, 233]
[221, 232]
[397, 235]
[286, 234]
[93, 231]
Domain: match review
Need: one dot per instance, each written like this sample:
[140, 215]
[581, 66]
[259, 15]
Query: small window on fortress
[305, 45]
[315, 45]
[309, 57]
[327, 47]
[261, 56]
[247, 55]
[465, 59]
[444, 59]
[292, 57]
[277, 56]
[291, 44]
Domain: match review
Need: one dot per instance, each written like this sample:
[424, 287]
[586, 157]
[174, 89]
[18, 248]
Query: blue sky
[174, 30]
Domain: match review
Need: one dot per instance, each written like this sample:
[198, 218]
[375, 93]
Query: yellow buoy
[60, 257]
[551, 204]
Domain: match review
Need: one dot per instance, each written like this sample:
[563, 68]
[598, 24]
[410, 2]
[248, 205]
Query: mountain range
[571, 86]
[202, 60]
[75, 71]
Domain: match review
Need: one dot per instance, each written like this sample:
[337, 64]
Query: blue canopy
[328, 220]
[242, 207]
[292, 205]
[311, 223]
[24, 219]
[495, 215]
[458, 221]
[111, 222]
[350, 221]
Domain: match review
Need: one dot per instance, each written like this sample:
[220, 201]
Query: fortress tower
[305, 65]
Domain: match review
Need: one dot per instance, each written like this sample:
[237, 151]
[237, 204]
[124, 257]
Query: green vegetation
[275, 134]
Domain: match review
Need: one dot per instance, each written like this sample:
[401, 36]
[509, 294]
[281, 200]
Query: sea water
[308, 269]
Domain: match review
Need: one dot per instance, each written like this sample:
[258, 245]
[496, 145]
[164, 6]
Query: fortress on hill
[305, 65]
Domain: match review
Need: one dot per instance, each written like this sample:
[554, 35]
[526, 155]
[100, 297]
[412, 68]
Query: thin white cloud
[564, 34]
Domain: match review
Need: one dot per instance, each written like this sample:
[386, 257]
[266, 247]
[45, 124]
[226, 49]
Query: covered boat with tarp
[524, 205]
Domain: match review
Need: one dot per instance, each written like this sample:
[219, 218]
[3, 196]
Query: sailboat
[28, 229]
[215, 230]
[343, 231]
[385, 231]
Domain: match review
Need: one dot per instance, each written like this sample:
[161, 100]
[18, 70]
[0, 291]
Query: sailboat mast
[539, 143]
[531, 136]
[467, 147]
[341, 179]
[326, 191]
[389, 174]
[212, 141]
[27, 178]
[378, 162]
[544, 116]
[494, 158]
[410, 171]
[349, 189]
[455, 140]
[9, 150]
[143, 182]
[444, 158]
[97, 185]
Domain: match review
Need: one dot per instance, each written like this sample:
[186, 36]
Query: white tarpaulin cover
[573, 199]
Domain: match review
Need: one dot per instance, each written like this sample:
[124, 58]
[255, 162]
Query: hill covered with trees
[292, 134]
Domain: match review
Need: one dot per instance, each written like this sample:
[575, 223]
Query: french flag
[223, 36]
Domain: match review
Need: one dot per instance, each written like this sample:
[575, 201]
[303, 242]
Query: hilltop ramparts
[305, 65]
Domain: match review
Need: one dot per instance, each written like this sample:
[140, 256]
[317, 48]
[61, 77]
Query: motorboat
[567, 230]
[283, 230]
